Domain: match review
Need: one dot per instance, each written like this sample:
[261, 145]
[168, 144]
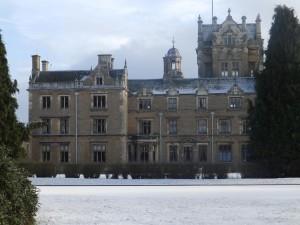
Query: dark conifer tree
[18, 198]
[275, 118]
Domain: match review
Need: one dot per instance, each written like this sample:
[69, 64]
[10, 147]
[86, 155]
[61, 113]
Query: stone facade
[99, 116]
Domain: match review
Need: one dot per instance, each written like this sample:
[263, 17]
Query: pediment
[235, 90]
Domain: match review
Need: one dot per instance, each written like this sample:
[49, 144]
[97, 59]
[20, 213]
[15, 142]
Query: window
[46, 152]
[46, 129]
[173, 153]
[99, 101]
[246, 152]
[235, 69]
[202, 153]
[64, 125]
[224, 126]
[99, 81]
[64, 102]
[225, 154]
[245, 129]
[46, 102]
[235, 102]
[144, 154]
[224, 69]
[251, 68]
[64, 153]
[173, 65]
[208, 69]
[145, 104]
[145, 127]
[202, 103]
[172, 104]
[229, 40]
[172, 126]
[132, 153]
[187, 153]
[99, 126]
[202, 126]
[99, 152]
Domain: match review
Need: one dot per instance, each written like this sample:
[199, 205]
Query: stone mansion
[101, 116]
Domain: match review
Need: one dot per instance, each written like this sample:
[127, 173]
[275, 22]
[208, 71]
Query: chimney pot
[45, 65]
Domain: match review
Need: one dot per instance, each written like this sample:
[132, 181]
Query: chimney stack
[45, 65]
[35, 64]
[244, 23]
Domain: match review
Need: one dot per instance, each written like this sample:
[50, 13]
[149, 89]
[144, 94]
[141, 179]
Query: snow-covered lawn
[169, 205]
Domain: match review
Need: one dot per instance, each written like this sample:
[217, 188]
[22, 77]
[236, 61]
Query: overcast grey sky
[70, 33]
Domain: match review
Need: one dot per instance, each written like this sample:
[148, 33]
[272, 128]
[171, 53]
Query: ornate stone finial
[199, 19]
[125, 64]
[229, 11]
[258, 20]
[173, 42]
[244, 19]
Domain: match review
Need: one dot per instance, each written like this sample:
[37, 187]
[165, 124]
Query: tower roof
[173, 52]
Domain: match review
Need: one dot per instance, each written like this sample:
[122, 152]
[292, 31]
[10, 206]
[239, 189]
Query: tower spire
[173, 42]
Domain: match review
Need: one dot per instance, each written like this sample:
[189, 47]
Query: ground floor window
[225, 153]
[132, 153]
[46, 154]
[173, 153]
[99, 152]
[202, 153]
[144, 154]
[246, 152]
[64, 153]
[187, 153]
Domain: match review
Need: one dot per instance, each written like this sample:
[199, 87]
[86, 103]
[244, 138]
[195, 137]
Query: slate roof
[190, 86]
[61, 76]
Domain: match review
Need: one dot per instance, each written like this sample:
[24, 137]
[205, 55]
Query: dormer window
[99, 81]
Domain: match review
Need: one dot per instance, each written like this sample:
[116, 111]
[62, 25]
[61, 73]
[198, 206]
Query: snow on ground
[169, 205]
[87, 182]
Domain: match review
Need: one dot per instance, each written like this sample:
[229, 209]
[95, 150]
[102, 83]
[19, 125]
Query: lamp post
[76, 127]
[160, 136]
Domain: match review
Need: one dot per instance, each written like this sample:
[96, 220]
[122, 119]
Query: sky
[71, 33]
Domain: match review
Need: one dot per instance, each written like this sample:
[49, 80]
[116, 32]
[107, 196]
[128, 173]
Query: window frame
[46, 102]
[99, 101]
[202, 105]
[200, 156]
[64, 128]
[99, 152]
[63, 103]
[142, 107]
[173, 158]
[64, 153]
[198, 126]
[170, 105]
[232, 104]
[225, 154]
[172, 126]
[45, 152]
[220, 129]
[142, 129]
[95, 126]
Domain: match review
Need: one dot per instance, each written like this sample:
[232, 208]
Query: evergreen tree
[275, 117]
[18, 198]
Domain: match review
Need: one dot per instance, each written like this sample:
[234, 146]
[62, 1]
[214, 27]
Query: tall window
[173, 153]
[202, 153]
[172, 126]
[202, 103]
[229, 40]
[172, 104]
[99, 101]
[246, 153]
[46, 129]
[187, 153]
[46, 152]
[64, 125]
[64, 153]
[145, 104]
[145, 127]
[224, 69]
[99, 81]
[173, 65]
[245, 128]
[235, 102]
[144, 154]
[99, 126]
[224, 126]
[64, 102]
[46, 102]
[225, 154]
[202, 126]
[99, 152]
[132, 153]
[235, 69]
